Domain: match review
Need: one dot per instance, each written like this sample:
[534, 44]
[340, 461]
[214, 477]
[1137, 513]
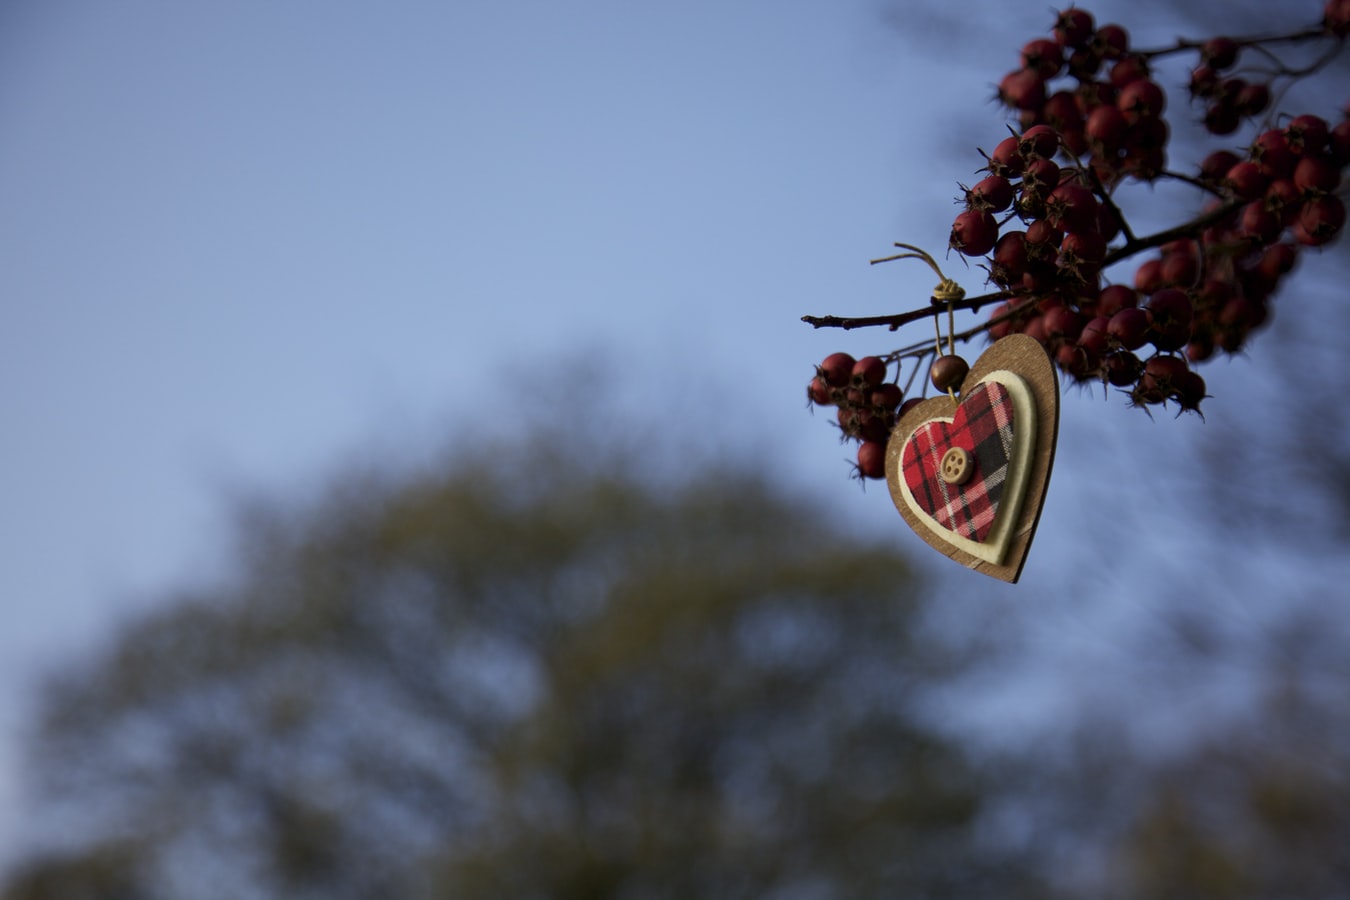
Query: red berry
[819, 392]
[1023, 89]
[1127, 70]
[1284, 200]
[1010, 259]
[1336, 17]
[1141, 99]
[1307, 134]
[1114, 298]
[1040, 177]
[1271, 151]
[872, 459]
[1073, 27]
[1259, 224]
[1219, 52]
[1148, 277]
[1039, 140]
[836, 369]
[1246, 180]
[1215, 166]
[1252, 99]
[1338, 143]
[1071, 207]
[1204, 82]
[1277, 260]
[887, 397]
[1221, 117]
[1062, 322]
[1081, 255]
[869, 371]
[1188, 389]
[1061, 113]
[974, 233]
[1042, 241]
[1112, 41]
[994, 194]
[1158, 381]
[1129, 327]
[1006, 160]
[1044, 56]
[1316, 175]
[1094, 338]
[1320, 220]
[1106, 129]
[1170, 314]
[1122, 368]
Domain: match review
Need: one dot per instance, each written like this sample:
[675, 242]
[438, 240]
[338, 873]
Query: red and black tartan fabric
[983, 427]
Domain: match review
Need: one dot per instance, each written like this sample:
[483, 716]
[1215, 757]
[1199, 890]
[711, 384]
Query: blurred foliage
[539, 672]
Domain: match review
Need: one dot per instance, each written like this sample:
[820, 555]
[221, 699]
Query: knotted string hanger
[947, 292]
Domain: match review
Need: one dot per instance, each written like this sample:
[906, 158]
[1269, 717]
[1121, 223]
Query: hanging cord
[947, 292]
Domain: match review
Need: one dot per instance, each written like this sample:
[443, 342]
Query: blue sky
[242, 243]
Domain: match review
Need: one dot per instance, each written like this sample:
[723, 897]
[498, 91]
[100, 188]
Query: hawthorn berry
[887, 397]
[1038, 141]
[1074, 27]
[1307, 134]
[1010, 259]
[872, 460]
[1219, 52]
[974, 232]
[1023, 89]
[837, 369]
[1169, 316]
[1222, 117]
[1115, 297]
[1246, 180]
[1121, 368]
[1316, 175]
[1044, 56]
[1094, 338]
[1188, 390]
[1129, 327]
[1141, 99]
[1105, 129]
[1071, 207]
[993, 194]
[1006, 160]
[1338, 144]
[1253, 99]
[869, 371]
[1112, 41]
[1204, 82]
[1259, 224]
[1320, 220]
[819, 392]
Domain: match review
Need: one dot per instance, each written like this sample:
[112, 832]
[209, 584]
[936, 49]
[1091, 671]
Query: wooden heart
[970, 477]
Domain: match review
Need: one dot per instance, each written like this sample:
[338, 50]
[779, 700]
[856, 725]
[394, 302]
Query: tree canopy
[526, 674]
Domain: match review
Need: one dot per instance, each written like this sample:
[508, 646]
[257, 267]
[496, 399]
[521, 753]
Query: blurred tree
[542, 672]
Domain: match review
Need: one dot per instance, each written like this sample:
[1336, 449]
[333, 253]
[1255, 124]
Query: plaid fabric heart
[982, 426]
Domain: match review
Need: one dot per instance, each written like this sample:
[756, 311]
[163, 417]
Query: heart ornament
[970, 476]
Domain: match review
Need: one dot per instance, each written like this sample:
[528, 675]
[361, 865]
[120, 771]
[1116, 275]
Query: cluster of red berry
[1090, 117]
[1210, 286]
[868, 405]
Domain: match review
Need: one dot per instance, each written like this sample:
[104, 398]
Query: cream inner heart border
[995, 547]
